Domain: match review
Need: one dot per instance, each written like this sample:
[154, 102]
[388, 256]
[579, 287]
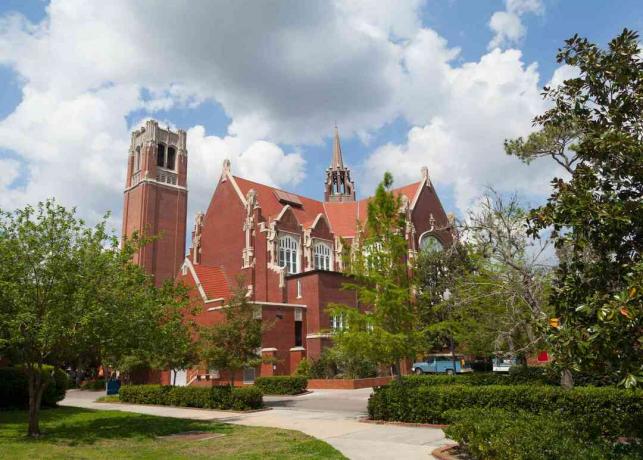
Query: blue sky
[439, 83]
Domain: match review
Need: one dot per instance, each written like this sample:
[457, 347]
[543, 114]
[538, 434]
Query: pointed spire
[338, 162]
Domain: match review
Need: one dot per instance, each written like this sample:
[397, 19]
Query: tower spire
[338, 186]
[337, 161]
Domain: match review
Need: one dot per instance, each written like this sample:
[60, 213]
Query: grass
[109, 399]
[80, 433]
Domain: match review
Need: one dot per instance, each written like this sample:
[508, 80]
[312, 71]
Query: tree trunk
[173, 377]
[36, 389]
[452, 347]
[398, 373]
[566, 379]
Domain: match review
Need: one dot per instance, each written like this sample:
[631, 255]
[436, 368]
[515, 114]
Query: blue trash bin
[113, 386]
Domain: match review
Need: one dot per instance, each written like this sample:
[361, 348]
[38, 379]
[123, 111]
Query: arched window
[322, 256]
[160, 155]
[430, 243]
[137, 163]
[288, 253]
[171, 155]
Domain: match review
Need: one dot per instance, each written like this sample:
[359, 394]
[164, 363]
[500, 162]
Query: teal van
[442, 364]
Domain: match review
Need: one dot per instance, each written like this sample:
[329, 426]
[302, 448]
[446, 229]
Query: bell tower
[339, 186]
[156, 196]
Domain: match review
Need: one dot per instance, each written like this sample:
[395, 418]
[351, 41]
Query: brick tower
[156, 197]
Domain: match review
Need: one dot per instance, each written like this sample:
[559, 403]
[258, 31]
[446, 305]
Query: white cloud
[9, 172]
[507, 25]
[462, 142]
[283, 74]
[260, 161]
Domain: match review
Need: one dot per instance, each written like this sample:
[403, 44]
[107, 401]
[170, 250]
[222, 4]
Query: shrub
[325, 367]
[246, 398]
[487, 434]
[217, 397]
[522, 375]
[282, 385]
[14, 389]
[303, 368]
[93, 385]
[607, 410]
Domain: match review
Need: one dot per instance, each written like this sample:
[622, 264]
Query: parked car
[442, 364]
[503, 364]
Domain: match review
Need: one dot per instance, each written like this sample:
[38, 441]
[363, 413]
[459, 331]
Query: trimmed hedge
[609, 411]
[282, 385]
[94, 385]
[517, 375]
[217, 397]
[14, 387]
[489, 434]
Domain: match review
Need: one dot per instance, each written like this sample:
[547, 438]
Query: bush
[608, 410]
[487, 434]
[94, 385]
[303, 368]
[282, 385]
[217, 397]
[14, 386]
[521, 375]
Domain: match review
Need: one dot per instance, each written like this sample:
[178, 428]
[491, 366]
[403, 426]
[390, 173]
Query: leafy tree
[390, 331]
[496, 281]
[175, 348]
[67, 290]
[596, 211]
[232, 345]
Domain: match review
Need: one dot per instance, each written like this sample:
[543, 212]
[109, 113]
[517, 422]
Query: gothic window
[322, 256]
[160, 155]
[171, 157]
[137, 164]
[430, 243]
[288, 246]
[338, 322]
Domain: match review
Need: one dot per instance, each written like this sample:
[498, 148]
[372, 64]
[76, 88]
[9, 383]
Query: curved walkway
[329, 415]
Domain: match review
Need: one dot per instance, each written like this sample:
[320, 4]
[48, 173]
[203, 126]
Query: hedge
[217, 397]
[14, 386]
[282, 385]
[489, 434]
[517, 375]
[93, 385]
[607, 410]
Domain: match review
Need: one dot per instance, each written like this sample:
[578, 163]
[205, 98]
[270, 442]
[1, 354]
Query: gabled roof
[343, 216]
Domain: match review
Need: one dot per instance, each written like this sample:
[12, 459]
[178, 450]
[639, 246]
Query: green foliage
[303, 368]
[93, 385]
[498, 288]
[70, 295]
[601, 411]
[232, 345]
[282, 385]
[324, 367]
[14, 391]
[488, 434]
[216, 397]
[390, 331]
[522, 375]
[596, 212]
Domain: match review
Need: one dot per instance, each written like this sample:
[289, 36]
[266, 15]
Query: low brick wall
[346, 384]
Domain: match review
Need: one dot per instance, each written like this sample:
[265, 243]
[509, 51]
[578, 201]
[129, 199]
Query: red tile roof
[213, 281]
[342, 216]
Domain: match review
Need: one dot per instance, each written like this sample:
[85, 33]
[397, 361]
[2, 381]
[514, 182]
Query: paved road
[329, 415]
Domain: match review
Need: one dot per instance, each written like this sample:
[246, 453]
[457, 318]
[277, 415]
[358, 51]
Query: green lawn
[80, 433]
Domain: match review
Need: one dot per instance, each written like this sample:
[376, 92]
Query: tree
[497, 283]
[232, 345]
[175, 348]
[389, 331]
[67, 290]
[596, 212]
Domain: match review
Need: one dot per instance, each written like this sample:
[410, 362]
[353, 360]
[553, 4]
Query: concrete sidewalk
[342, 430]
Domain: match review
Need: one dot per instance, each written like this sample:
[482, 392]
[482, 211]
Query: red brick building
[286, 247]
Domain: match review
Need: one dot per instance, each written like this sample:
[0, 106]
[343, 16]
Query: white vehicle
[503, 364]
